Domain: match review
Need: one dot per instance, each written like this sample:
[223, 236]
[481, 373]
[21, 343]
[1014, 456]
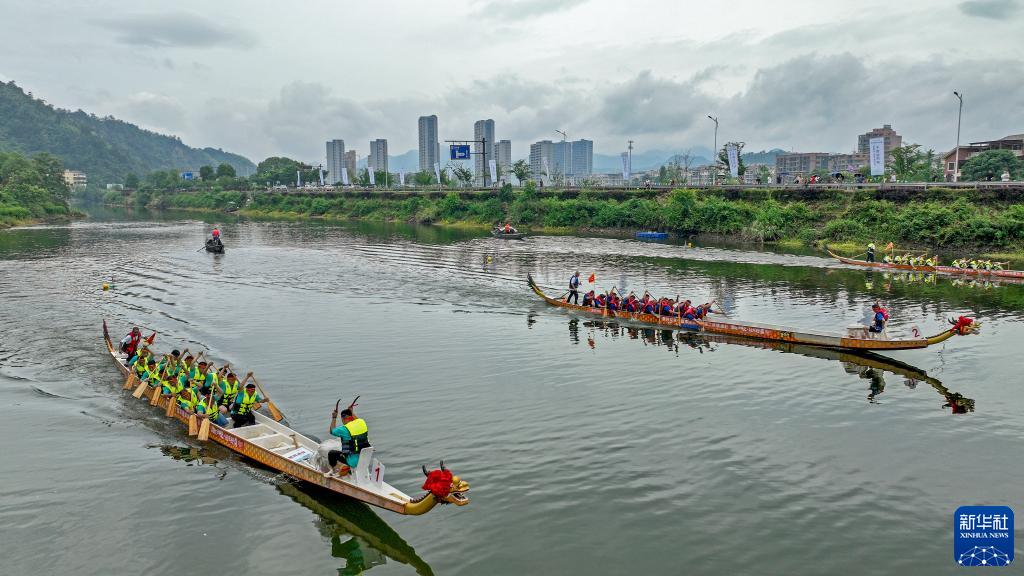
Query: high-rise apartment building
[378, 159]
[503, 154]
[540, 159]
[335, 160]
[892, 140]
[429, 146]
[561, 159]
[483, 130]
[350, 164]
[582, 158]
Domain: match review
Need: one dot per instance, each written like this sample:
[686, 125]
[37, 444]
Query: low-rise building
[1013, 143]
[75, 179]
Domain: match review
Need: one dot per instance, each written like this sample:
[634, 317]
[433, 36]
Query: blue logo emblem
[983, 536]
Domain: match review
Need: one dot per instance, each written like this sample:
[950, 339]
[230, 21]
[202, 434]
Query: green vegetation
[106, 149]
[31, 188]
[990, 165]
[953, 221]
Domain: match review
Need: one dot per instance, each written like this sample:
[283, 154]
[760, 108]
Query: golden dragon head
[445, 486]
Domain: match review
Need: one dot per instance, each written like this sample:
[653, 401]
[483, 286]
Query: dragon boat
[855, 339]
[285, 450]
[948, 270]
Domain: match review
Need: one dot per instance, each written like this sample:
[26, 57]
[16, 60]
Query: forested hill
[106, 149]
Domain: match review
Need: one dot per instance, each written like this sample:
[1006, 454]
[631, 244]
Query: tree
[908, 162]
[462, 174]
[521, 169]
[723, 157]
[206, 173]
[990, 165]
[223, 170]
[131, 181]
[423, 178]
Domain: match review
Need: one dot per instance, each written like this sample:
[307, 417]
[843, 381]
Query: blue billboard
[460, 151]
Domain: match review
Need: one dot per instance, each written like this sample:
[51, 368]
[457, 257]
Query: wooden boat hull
[949, 270]
[390, 498]
[750, 329]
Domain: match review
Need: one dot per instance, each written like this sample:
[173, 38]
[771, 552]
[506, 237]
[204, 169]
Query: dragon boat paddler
[354, 436]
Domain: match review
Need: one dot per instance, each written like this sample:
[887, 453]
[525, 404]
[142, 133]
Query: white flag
[625, 166]
[876, 147]
[734, 160]
[298, 179]
[344, 175]
[373, 177]
[493, 164]
[437, 171]
[401, 177]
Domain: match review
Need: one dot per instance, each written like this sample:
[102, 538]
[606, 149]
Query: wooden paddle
[140, 390]
[204, 427]
[130, 381]
[193, 424]
[274, 412]
[170, 406]
[155, 399]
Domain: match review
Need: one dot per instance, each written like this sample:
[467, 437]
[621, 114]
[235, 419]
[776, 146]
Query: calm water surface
[591, 448]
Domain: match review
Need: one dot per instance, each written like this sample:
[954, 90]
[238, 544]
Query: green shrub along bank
[31, 189]
[940, 224]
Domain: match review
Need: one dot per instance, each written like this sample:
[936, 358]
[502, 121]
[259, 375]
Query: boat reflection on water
[358, 536]
[887, 279]
[866, 365]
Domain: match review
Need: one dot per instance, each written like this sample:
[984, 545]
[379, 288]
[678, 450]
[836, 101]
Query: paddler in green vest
[187, 400]
[354, 437]
[247, 401]
[206, 406]
[140, 362]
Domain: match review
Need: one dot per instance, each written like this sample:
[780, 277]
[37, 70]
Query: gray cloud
[524, 9]
[996, 9]
[178, 29]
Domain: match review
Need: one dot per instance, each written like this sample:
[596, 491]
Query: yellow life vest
[245, 406]
[189, 404]
[360, 436]
[230, 391]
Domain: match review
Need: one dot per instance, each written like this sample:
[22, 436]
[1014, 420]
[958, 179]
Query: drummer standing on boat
[871, 251]
[574, 286]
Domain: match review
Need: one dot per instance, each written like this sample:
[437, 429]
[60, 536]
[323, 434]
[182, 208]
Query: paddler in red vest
[600, 301]
[588, 298]
[354, 436]
[508, 228]
[879, 318]
[215, 236]
[131, 342]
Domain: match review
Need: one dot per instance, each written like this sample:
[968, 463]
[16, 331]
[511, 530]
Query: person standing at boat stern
[246, 402]
[871, 251]
[354, 437]
[574, 287]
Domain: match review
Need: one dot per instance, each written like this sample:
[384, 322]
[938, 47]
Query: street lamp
[714, 151]
[956, 165]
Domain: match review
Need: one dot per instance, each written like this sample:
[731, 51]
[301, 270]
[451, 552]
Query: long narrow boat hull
[754, 330]
[949, 270]
[246, 441]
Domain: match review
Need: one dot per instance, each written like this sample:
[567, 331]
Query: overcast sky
[269, 78]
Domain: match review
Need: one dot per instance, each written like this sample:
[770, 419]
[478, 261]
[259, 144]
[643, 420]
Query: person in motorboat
[508, 229]
[247, 401]
[354, 436]
[215, 238]
[879, 318]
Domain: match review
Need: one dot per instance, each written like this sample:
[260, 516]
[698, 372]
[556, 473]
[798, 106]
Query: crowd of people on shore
[612, 301]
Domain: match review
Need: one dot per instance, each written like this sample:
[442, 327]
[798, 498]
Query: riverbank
[954, 224]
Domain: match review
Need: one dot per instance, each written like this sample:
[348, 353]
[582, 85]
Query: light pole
[714, 151]
[629, 160]
[960, 111]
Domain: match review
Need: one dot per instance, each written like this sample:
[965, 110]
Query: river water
[591, 448]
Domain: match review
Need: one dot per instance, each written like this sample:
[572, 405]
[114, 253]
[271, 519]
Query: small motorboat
[651, 235]
[214, 247]
[513, 235]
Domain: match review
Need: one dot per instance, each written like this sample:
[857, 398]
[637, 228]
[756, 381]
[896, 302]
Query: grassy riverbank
[952, 223]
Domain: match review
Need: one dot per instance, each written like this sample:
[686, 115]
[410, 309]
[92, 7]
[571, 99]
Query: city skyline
[263, 95]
